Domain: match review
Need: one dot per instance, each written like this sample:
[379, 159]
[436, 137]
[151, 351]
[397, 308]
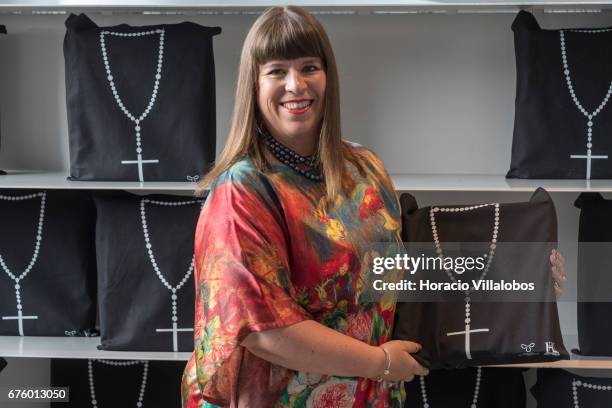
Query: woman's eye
[275, 71]
[311, 68]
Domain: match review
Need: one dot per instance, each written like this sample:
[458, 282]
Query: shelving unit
[58, 180]
[403, 183]
[428, 85]
[86, 347]
[326, 6]
[75, 347]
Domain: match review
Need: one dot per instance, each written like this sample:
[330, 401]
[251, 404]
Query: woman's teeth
[297, 105]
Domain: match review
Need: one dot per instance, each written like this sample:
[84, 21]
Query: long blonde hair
[286, 33]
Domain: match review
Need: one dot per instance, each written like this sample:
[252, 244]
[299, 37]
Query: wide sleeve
[243, 285]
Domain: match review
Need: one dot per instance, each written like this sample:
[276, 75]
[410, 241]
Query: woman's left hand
[557, 267]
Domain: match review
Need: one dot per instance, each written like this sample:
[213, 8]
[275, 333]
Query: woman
[284, 240]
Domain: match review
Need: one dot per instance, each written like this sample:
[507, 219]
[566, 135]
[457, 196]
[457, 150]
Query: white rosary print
[20, 317]
[491, 253]
[579, 383]
[589, 115]
[173, 289]
[92, 383]
[474, 403]
[136, 120]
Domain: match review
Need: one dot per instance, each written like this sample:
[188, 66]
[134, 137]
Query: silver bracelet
[387, 369]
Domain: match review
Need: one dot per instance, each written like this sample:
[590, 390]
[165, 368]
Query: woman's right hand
[403, 366]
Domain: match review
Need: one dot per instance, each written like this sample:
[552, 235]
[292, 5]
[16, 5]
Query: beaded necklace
[578, 383]
[590, 116]
[19, 277]
[143, 384]
[292, 159]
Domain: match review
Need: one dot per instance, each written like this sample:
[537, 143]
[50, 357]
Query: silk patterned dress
[270, 252]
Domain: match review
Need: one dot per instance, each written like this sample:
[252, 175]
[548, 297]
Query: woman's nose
[294, 83]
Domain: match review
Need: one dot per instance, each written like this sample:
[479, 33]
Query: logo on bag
[193, 179]
[550, 349]
[528, 347]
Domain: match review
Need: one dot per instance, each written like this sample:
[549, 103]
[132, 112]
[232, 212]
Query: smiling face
[290, 99]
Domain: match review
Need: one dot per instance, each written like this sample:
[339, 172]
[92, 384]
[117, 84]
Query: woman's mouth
[297, 107]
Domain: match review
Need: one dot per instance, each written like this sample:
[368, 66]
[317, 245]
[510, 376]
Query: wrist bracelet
[387, 369]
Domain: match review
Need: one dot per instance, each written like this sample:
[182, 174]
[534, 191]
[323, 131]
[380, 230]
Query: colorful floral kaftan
[270, 252]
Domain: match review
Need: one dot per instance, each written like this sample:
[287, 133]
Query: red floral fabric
[270, 252]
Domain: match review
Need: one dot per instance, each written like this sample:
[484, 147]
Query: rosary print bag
[118, 383]
[140, 100]
[557, 388]
[145, 271]
[47, 263]
[476, 327]
[563, 114]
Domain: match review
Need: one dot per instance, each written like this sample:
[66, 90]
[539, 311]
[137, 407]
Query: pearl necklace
[589, 115]
[292, 159]
[492, 246]
[490, 255]
[579, 383]
[111, 80]
[149, 246]
[474, 398]
[39, 230]
[143, 384]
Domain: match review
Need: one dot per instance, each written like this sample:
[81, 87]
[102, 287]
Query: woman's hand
[557, 267]
[403, 366]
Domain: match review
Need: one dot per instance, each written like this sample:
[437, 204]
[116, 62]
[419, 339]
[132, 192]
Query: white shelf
[474, 182]
[250, 5]
[75, 347]
[403, 182]
[86, 347]
[58, 180]
[576, 361]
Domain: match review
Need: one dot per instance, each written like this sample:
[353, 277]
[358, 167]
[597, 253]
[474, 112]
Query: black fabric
[134, 302]
[548, 126]
[511, 324]
[118, 386]
[594, 282]
[60, 287]
[179, 130]
[554, 390]
[2, 31]
[499, 388]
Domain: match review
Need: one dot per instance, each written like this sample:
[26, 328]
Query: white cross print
[467, 333]
[588, 158]
[140, 162]
[175, 329]
[20, 318]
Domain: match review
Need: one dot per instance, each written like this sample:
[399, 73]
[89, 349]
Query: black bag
[2, 172]
[468, 387]
[53, 240]
[561, 389]
[136, 308]
[118, 386]
[502, 332]
[173, 103]
[551, 124]
[594, 278]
